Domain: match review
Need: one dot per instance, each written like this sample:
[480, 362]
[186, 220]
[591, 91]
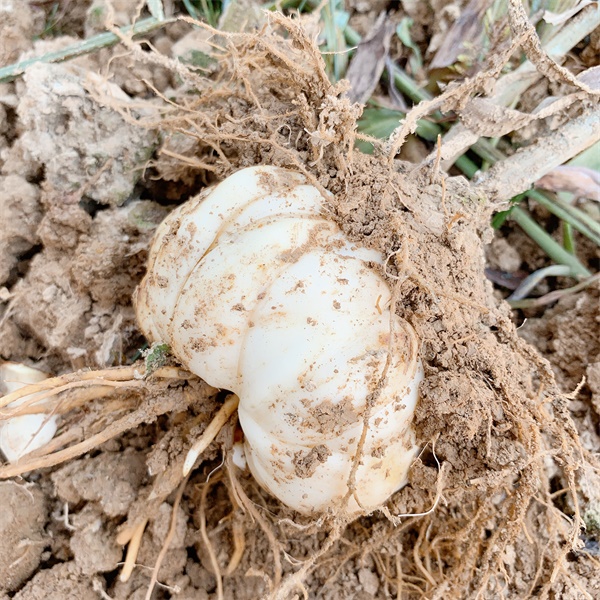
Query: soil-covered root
[139, 399]
[81, 388]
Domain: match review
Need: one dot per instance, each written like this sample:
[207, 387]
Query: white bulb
[239, 456]
[258, 292]
[26, 433]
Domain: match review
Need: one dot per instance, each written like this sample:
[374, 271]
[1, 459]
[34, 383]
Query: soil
[508, 419]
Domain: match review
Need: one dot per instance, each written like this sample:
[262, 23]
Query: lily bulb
[26, 433]
[256, 290]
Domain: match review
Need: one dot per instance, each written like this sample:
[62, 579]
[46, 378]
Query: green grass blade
[551, 247]
[554, 296]
[102, 40]
[156, 9]
[532, 281]
[570, 214]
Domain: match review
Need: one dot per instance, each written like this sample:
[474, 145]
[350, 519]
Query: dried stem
[520, 171]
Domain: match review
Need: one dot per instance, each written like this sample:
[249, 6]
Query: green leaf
[155, 357]
[403, 32]
[156, 9]
[381, 122]
[500, 217]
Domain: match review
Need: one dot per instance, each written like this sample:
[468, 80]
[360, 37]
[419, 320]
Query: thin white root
[229, 407]
[239, 544]
[132, 551]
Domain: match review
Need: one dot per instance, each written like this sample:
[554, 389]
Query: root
[296, 579]
[162, 487]
[441, 480]
[239, 545]
[135, 541]
[216, 569]
[82, 387]
[166, 543]
[455, 94]
[249, 507]
[411, 339]
[128, 377]
[86, 386]
[229, 407]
